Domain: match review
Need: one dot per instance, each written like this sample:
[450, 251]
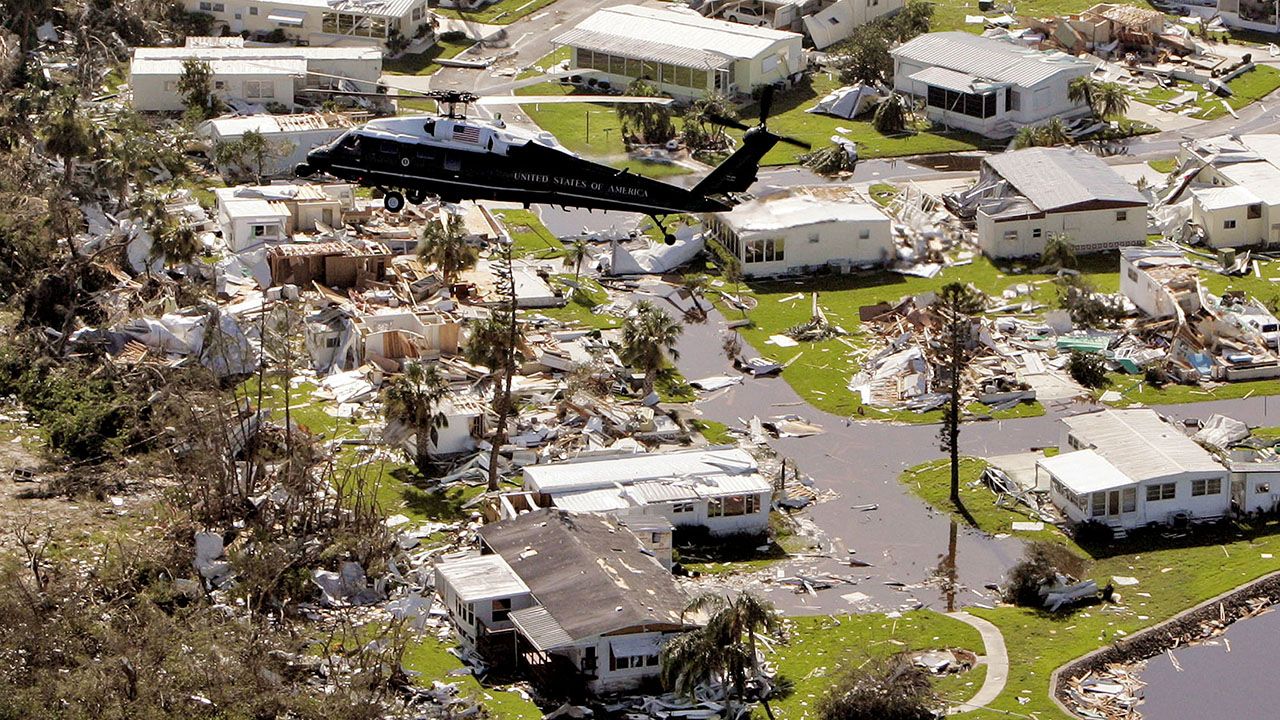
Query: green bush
[1087, 369]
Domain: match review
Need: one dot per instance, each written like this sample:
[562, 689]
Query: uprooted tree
[893, 688]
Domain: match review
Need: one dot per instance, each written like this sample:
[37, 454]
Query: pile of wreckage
[904, 373]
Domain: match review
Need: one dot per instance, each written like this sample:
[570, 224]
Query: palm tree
[577, 253]
[645, 334]
[415, 399]
[492, 344]
[695, 286]
[68, 134]
[1025, 137]
[643, 122]
[1053, 132]
[444, 244]
[1081, 91]
[723, 649]
[1110, 100]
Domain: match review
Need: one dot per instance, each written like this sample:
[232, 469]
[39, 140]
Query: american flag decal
[466, 134]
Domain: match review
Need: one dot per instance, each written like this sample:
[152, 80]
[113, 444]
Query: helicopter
[456, 158]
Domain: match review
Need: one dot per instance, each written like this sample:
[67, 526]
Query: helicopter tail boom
[738, 171]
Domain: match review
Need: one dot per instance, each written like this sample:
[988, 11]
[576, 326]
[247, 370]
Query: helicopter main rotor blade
[794, 141]
[562, 99]
[718, 119]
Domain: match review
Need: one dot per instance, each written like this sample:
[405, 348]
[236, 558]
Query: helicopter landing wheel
[415, 196]
[393, 201]
[669, 238]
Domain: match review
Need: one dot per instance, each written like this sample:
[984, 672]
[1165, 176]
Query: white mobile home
[802, 232]
[1232, 184]
[320, 22]
[984, 85]
[1160, 281]
[251, 216]
[604, 605]
[685, 54]
[253, 75]
[720, 489]
[1255, 486]
[1130, 468]
[480, 594]
[1025, 196]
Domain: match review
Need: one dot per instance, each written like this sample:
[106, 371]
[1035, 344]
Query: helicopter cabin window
[764, 250]
[452, 162]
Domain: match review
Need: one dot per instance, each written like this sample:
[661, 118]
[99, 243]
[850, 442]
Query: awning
[951, 80]
[635, 645]
[539, 628]
[291, 18]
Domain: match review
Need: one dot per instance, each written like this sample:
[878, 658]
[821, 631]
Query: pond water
[1216, 683]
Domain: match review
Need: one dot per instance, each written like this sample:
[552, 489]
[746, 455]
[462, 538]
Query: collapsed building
[1109, 29]
[1225, 192]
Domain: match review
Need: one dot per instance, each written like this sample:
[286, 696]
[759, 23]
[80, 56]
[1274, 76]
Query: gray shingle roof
[591, 574]
[988, 58]
[1058, 178]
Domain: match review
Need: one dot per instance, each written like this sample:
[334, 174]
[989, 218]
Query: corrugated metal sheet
[628, 29]
[482, 578]
[1055, 178]
[648, 50]
[592, 501]
[1140, 444]
[949, 79]
[1221, 198]
[539, 628]
[988, 58]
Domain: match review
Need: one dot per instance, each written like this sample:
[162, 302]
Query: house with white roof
[1233, 183]
[320, 22]
[292, 136]
[1024, 197]
[719, 489]
[253, 75]
[1131, 468]
[985, 85]
[803, 230]
[683, 53]
[837, 21]
[565, 596]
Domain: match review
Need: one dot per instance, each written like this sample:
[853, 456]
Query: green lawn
[1247, 89]
[1173, 574]
[430, 659]
[502, 12]
[822, 647]
[1164, 166]
[591, 130]
[1133, 389]
[789, 118]
[424, 63]
[820, 371]
[715, 432]
[530, 236]
[932, 483]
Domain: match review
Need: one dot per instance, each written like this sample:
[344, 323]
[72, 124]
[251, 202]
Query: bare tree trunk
[422, 448]
[953, 415]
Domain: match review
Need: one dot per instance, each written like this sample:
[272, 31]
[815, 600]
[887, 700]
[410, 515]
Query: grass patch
[502, 12]
[820, 371]
[931, 482]
[883, 193]
[591, 130]
[1246, 89]
[530, 236]
[1134, 389]
[789, 118]
[1164, 166]
[1173, 573]
[424, 63]
[431, 660]
[717, 433]
[822, 647]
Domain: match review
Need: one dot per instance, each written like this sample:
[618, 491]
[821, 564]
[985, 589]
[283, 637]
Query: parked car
[748, 15]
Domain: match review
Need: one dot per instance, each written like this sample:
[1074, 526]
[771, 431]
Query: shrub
[1040, 562]
[889, 689]
[1088, 369]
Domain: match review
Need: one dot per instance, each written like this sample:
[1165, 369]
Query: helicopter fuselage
[469, 159]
